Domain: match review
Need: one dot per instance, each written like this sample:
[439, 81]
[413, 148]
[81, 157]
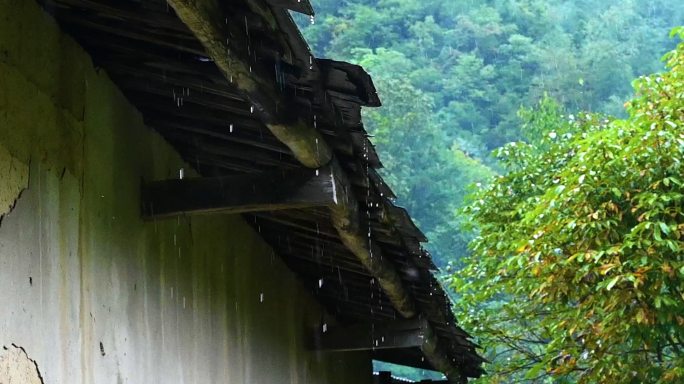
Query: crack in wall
[14, 179]
[10, 208]
[16, 367]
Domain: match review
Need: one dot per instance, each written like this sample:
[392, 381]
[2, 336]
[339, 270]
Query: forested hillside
[452, 75]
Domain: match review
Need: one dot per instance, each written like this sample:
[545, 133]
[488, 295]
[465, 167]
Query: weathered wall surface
[91, 294]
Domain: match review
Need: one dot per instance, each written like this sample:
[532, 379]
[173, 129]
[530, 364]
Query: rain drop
[181, 173]
[261, 298]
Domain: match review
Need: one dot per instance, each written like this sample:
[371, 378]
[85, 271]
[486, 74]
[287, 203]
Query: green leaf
[664, 228]
[534, 371]
[612, 283]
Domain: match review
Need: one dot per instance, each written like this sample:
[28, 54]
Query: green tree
[577, 273]
[428, 172]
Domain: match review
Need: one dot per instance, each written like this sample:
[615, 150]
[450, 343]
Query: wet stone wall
[91, 294]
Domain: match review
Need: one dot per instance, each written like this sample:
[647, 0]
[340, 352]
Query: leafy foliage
[577, 275]
[470, 66]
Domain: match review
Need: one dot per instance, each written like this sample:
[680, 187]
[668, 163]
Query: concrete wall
[91, 294]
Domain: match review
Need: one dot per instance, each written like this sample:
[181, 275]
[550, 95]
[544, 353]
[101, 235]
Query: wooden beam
[439, 359]
[237, 194]
[227, 44]
[345, 217]
[365, 337]
[398, 334]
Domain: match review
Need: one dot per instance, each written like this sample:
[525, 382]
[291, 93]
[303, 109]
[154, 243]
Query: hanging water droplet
[231, 128]
[181, 173]
[317, 172]
[320, 283]
[251, 109]
[261, 298]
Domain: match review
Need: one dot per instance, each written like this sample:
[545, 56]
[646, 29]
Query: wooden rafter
[227, 44]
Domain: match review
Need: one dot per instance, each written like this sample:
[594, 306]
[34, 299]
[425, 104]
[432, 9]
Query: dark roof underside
[164, 71]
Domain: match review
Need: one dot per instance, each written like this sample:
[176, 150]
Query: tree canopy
[577, 274]
[453, 74]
